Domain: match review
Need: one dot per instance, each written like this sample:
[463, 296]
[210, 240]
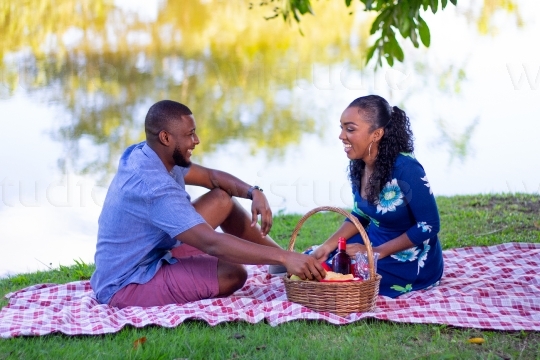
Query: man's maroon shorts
[193, 277]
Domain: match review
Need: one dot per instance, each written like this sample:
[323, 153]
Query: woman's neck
[370, 165]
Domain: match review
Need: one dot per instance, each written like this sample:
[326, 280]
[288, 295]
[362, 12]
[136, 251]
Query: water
[267, 103]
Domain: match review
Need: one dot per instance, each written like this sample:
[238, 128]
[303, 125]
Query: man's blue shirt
[146, 207]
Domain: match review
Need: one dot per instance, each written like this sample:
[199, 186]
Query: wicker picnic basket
[340, 298]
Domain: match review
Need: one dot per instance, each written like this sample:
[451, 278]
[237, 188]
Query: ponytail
[397, 138]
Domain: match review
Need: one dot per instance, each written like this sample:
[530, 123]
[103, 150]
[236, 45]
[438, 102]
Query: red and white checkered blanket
[496, 287]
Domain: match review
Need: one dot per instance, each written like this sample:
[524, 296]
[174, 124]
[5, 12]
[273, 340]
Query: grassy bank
[465, 221]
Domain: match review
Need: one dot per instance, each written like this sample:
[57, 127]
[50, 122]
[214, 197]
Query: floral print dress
[406, 205]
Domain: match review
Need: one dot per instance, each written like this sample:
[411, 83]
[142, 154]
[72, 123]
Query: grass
[465, 221]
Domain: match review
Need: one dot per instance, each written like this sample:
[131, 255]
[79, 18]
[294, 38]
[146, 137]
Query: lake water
[267, 102]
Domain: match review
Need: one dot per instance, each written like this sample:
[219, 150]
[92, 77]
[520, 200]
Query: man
[156, 247]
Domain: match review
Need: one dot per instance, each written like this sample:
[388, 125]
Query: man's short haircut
[161, 114]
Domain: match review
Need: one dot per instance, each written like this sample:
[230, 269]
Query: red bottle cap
[342, 243]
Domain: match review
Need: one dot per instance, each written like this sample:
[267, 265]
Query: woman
[392, 198]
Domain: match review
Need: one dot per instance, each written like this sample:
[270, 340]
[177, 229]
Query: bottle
[341, 262]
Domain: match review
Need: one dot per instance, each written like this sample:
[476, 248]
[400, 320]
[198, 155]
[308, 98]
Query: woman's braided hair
[397, 138]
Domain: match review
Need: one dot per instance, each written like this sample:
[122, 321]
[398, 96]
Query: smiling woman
[392, 198]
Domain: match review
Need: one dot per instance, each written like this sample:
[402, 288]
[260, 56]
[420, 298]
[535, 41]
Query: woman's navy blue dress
[406, 205]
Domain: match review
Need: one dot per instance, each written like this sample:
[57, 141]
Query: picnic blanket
[495, 287]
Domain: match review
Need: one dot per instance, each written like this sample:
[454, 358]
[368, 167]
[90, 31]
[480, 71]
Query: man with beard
[156, 247]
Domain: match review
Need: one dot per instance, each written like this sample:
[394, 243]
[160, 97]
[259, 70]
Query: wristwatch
[250, 191]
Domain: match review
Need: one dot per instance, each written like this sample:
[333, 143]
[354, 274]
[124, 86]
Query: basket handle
[354, 220]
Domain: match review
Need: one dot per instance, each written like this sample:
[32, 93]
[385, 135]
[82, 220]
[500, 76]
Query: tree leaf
[379, 19]
[476, 340]
[398, 51]
[304, 6]
[310, 9]
[389, 44]
[368, 4]
[371, 51]
[414, 39]
[139, 342]
[295, 14]
[453, 2]
[390, 59]
[434, 5]
[404, 26]
[444, 3]
[423, 30]
[348, 2]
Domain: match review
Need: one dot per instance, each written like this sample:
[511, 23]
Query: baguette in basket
[330, 276]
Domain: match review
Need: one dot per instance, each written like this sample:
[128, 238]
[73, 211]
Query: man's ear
[163, 137]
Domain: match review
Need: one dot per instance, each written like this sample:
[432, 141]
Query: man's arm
[210, 178]
[235, 250]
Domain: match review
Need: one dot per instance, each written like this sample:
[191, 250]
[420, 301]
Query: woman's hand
[352, 249]
[321, 253]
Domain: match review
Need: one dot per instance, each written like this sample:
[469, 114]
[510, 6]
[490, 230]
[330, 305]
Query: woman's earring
[369, 149]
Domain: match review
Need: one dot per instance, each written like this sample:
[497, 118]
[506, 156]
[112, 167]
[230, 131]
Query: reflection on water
[104, 65]
[266, 99]
[232, 68]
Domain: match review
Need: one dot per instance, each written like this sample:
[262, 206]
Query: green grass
[465, 221]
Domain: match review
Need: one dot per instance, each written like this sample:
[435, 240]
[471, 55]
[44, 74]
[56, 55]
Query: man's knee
[231, 277]
[221, 199]
[220, 204]
[214, 206]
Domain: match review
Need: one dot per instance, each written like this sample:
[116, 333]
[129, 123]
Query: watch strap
[250, 191]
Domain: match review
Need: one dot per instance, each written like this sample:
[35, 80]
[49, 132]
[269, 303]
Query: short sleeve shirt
[146, 207]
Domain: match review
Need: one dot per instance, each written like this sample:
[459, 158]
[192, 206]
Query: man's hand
[260, 205]
[304, 266]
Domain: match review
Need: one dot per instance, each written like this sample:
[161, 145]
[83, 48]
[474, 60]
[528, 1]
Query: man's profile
[155, 246]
